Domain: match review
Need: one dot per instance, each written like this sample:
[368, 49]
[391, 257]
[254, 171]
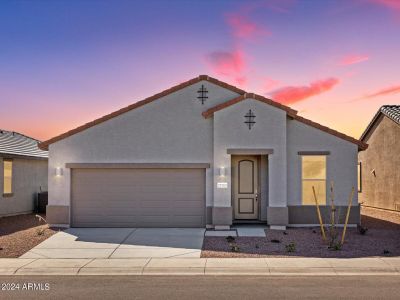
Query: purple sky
[64, 63]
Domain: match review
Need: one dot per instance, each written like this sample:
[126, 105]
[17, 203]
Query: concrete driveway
[121, 243]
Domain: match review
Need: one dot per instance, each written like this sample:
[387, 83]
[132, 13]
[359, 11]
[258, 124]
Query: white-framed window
[313, 174]
[7, 177]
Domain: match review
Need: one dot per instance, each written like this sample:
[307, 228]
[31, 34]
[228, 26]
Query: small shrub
[386, 251]
[275, 241]
[362, 230]
[335, 247]
[235, 248]
[40, 231]
[230, 239]
[291, 247]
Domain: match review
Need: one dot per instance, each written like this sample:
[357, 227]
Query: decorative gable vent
[249, 119]
[202, 94]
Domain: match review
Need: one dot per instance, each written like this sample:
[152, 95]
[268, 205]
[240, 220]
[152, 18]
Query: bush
[230, 239]
[291, 247]
[235, 248]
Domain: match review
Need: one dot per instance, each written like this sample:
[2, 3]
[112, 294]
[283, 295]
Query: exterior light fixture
[222, 171]
[59, 172]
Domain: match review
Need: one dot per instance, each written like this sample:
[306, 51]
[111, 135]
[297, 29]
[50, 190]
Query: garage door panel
[138, 197]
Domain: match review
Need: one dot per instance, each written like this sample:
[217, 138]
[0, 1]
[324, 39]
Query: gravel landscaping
[381, 239]
[19, 234]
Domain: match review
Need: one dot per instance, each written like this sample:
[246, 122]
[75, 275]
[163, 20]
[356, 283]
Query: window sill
[8, 195]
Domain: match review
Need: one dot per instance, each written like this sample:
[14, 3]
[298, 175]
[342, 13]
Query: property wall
[341, 166]
[168, 130]
[382, 187]
[28, 176]
[230, 131]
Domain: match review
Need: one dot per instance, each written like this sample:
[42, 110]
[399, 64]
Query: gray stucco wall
[170, 129]
[173, 130]
[28, 176]
[230, 131]
[341, 162]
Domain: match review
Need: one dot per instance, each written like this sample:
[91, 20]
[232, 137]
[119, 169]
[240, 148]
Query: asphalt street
[202, 287]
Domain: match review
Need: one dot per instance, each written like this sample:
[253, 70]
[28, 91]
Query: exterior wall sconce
[59, 172]
[222, 171]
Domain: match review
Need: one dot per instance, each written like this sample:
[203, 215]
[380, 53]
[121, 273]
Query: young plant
[40, 231]
[362, 230]
[230, 239]
[235, 248]
[291, 247]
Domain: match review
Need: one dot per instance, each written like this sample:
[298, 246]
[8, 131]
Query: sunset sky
[64, 63]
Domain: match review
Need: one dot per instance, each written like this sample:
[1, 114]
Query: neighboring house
[202, 153]
[23, 173]
[379, 166]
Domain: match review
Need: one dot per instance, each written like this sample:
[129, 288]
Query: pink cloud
[241, 81]
[244, 28]
[391, 4]
[353, 59]
[293, 94]
[384, 92]
[228, 63]
[269, 83]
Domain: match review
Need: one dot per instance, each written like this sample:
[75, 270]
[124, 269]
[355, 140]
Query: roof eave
[209, 112]
[45, 145]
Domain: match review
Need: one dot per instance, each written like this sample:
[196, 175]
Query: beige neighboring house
[200, 154]
[379, 165]
[23, 173]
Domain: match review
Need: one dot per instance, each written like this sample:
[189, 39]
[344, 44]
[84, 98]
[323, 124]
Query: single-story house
[200, 154]
[23, 173]
[379, 165]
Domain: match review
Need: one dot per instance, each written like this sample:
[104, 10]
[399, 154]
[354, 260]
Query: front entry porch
[243, 186]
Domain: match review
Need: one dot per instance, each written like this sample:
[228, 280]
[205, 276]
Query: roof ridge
[15, 132]
[334, 132]
[392, 111]
[209, 112]
[290, 112]
[44, 145]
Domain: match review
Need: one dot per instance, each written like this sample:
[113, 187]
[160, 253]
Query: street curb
[203, 267]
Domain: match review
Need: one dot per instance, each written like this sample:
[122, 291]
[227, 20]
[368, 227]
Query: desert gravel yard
[381, 239]
[19, 234]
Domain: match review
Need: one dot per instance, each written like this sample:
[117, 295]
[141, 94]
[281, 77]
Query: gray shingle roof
[13, 143]
[390, 111]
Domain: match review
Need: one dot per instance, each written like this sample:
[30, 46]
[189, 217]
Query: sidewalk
[202, 266]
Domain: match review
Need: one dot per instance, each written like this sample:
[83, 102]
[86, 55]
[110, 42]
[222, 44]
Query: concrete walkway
[89, 243]
[202, 266]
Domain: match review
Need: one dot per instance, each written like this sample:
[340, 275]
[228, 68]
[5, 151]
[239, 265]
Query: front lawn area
[381, 239]
[19, 234]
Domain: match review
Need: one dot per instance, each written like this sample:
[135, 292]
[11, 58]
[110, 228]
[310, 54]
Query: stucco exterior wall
[168, 130]
[341, 162]
[230, 131]
[173, 130]
[382, 187]
[28, 176]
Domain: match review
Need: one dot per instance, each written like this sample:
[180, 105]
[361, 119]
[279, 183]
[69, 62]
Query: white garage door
[138, 198]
